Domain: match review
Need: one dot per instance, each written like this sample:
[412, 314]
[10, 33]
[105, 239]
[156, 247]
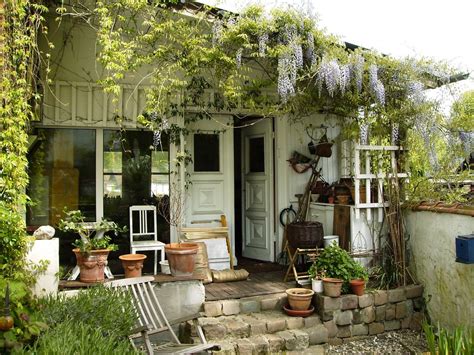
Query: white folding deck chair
[152, 320]
[147, 238]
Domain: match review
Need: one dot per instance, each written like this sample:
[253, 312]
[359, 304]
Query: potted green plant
[316, 276]
[93, 246]
[359, 277]
[339, 266]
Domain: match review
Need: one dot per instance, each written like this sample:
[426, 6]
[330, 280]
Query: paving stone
[380, 313]
[327, 315]
[354, 338]
[413, 291]
[418, 304]
[230, 307]
[294, 322]
[400, 310]
[344, 331]
[357, 316]
[236, 328]
[317, 334]
[335, 341]
[257, 327]
[405, 322]
[288, 339]
[326, 303]
[226, 347]
[392, 325]
[396, 295]
[311, 321]
[260, 344]
[213, 309]
[416, 321]
[380, 297]
[366, 300]
[368, 314]
[275, 343]
[275, 324]
[390, 312]
[343, 317]
[331, 327]
[376, 328]
[244, 346]
[249, 306]
[312, 350]
[349, 302]
[268, 304]
[212, 328]
[360, 329]
[301, 340]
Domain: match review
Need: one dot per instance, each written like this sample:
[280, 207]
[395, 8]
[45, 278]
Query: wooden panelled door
[257, 191]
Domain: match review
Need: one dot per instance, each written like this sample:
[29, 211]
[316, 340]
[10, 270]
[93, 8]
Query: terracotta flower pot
[132, 264]
[357, 286]
[92, 264]
[299, 298]
[181, 258]
[332, 287]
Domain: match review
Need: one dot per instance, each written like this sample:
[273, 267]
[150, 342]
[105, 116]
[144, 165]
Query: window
[256, 155]
[62, 175]
[206, 152]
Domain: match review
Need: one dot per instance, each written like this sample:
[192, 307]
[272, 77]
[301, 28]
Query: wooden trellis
[369, 173]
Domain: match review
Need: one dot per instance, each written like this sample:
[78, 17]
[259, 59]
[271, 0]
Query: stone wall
[373, 313]
[449, 285]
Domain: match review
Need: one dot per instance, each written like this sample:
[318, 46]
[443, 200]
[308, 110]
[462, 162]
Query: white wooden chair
[143, 238]
[152, 320]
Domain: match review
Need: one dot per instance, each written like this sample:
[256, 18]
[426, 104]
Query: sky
[436, 29]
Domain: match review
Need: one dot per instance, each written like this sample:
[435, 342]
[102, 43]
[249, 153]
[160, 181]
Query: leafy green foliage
[92, 234]
[443, 342]
[337, 263]
[27, 325]
[463, 112]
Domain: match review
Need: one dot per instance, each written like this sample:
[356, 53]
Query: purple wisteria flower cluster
[376, 86]
[329, 73]
[357, 71]
[415, 92]
[262, 44]
[238, 57]
[217, 29]
[310, 54]
[286, 76]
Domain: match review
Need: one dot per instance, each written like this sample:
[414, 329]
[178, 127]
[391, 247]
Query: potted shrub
[338, 264]
[93, 247]
[359, 278]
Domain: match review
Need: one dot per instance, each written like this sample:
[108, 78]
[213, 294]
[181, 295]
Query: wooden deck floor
[261, 283]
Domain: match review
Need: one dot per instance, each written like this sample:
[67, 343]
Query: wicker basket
[305, 235]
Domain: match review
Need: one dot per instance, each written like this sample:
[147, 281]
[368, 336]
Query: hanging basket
[324, 149]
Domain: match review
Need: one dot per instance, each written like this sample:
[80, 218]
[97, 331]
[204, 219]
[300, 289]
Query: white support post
[367, 185]
[99, 174]
[356, 180]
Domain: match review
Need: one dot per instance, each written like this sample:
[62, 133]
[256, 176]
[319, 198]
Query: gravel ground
[400, 342]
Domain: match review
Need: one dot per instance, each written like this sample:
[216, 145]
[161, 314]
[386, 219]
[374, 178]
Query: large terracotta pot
[299, 298]
[181, 258]
[357, 286]
[132, 264]
[92, 264]
[332, 287]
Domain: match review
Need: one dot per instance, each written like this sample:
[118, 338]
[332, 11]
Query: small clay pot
[299, 298]
[357, 286]
[332, 287]
[343, 199]
[132, 264]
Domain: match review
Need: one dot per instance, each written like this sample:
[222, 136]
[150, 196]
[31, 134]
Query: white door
[257, 191]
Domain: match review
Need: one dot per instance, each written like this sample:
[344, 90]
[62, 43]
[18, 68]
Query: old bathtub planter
[299, 298]
[132, 264]
[181, 258]
[93, 247]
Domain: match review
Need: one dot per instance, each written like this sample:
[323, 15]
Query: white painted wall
[449, 284]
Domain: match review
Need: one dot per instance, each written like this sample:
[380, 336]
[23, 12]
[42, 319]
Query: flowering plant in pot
[93, 246]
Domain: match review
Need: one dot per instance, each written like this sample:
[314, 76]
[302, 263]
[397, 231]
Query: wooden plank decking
[257, 284]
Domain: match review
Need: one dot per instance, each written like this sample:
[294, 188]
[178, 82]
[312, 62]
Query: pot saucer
[296, 313]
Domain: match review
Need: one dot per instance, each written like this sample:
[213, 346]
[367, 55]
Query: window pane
[113, 185]
[113, 162]
[62, 175]
[206, 152]
[160, 162]
[160, 185]
[257, 155]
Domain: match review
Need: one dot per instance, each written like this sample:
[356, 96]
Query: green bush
[337, 263]
[444, 342]
[109, 309]
[79, 339]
